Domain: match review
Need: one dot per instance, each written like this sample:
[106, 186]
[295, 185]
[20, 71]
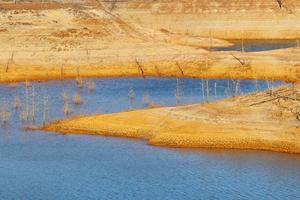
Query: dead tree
[131, 97]
[242, 61]
[61, 72]
[113, 5]
[298, 115]
[9, 61]
[236, 84]
[205, 67]
[182, 73]
[157, 71]
[280, 3]
[140, 68]
[178, 91]
[245, 64]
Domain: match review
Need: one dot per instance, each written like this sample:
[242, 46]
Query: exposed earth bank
[263, 120]
[43, 41]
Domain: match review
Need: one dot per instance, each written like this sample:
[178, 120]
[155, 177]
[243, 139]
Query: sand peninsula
[267, 120]
[46, 41]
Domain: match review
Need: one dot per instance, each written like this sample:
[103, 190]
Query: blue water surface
[40, 165]
[258, 45]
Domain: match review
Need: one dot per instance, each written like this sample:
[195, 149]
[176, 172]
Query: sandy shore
[58, 41]
[46, 41]
[262, 121]
[272, 65]
[248, 19]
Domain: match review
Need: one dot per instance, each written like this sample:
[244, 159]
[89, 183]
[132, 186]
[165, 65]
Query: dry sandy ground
[57, 41]
[265, 121]
[163, 38]
[252, 19]
[272, 65]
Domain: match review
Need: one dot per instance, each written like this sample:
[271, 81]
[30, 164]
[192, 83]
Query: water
[258, 45]
[39, 165]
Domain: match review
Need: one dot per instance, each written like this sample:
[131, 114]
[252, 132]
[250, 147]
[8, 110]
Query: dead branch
[280, 3]
[182, 73]
[61, 72]
[157, 71]
[9, 61]
[296, 112]
[275, 98]
[113, 5]
[240, 60]
[290, 98]
[140, 68]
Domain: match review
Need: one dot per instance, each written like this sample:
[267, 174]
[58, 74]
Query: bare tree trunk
[26, 102]
[180, 69]
[157, 71]
[210, 41]
[280, 3]
[140, 68]
[33, 105]
[61, 72]
[178, 93]
[215, 89]
[228, 88]
[9, 61]
[207, 90]
[113, 5]
[131, 97]
[256, 85]
[79, 81]
[4, 113]
[236, 88]
[203, 93]
[46, 109]
[243, 47]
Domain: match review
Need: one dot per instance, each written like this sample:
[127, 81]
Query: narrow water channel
[259, 45]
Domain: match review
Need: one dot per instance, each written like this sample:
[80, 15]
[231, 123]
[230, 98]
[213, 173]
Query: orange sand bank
[272, 65]
[92, 41]
[263, 121]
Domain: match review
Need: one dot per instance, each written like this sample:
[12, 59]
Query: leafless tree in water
[33, 105]
[4, 113]
[236, 84]
[46, 109]
[178, 91]
[131, 97]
